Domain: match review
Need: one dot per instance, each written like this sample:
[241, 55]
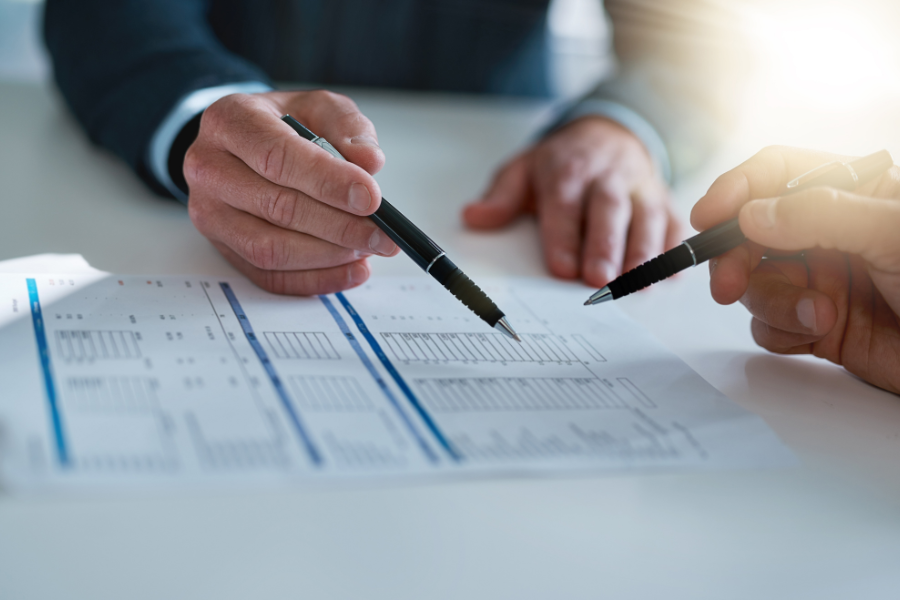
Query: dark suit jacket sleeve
[122, 66]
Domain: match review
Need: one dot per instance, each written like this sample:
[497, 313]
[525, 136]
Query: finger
[729, 274]
[609, 214]
[504, 200]
[764, 175]
[250, 128]
[338, 119]
[647, 232]
[778, 296]
[235, 184]
[831, 219]
[300, 283]
[560, 191]
[271, 248]
[780, 342]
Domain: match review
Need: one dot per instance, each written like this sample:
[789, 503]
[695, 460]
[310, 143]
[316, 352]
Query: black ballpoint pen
[725, 236]
[423, 250]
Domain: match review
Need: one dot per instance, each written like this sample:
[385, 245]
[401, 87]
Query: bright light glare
[822, 57]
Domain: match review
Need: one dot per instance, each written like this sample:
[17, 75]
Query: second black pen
[723, 237]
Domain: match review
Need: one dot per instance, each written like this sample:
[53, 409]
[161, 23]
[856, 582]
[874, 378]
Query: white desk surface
[827, 529]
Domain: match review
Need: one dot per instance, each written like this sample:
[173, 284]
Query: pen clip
[814, 173]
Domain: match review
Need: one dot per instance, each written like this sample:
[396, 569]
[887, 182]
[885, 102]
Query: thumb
[505, 199]
[828, 218]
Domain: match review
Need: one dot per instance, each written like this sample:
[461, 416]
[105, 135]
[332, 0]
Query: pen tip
[604, 295]
[506, 329]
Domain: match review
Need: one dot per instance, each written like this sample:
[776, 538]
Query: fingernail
[806, 313]
[358, 273]
[360, 198]
[381, 243]
[366, 140]
[763, 212]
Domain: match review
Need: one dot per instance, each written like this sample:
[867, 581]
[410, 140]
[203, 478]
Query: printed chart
[114, 381]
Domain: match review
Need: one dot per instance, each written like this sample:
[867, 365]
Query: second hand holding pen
[723, 237]
[424, 252]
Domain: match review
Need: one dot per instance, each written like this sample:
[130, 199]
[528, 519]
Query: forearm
[681, 63]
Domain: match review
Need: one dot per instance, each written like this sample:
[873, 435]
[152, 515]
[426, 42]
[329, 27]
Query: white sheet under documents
[111, 380]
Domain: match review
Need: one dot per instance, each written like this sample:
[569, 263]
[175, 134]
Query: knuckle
[612, 195]
[273, 161]
[233, 103]
[564, 206]
[280, 207]
[566, 168]
[264, 253]
[348, 233]
[322, 187]
[212, 116]
[274, 282]
[320, 95]
[221, 112]
[196, 168]
[768, 314]
[329, 97]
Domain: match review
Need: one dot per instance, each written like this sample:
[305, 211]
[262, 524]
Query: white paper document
[118, 381]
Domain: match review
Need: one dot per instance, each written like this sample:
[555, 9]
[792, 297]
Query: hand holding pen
[727, 234]
[285, 215]
[841, 299]
[421, 248]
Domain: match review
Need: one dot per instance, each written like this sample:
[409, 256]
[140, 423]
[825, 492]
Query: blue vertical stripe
[401, 383]
[310, 448]
[40, 335]
[432, 456]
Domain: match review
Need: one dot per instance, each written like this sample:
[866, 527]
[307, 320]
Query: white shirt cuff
[628, 119]
[185, 110]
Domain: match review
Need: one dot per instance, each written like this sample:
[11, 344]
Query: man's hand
[842, 301]
[602, 208]
[283, 211]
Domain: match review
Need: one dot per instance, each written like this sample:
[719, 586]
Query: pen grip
[405, 234]
[465, 290]
[662, 267]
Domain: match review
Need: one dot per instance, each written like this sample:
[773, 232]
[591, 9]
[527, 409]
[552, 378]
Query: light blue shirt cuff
[185, 110]
[628, 119]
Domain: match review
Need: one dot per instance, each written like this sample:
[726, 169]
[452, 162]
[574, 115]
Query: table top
[829, 528]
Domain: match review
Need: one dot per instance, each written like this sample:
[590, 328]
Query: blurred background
[815, 72]
[580, 42]
[22, 57]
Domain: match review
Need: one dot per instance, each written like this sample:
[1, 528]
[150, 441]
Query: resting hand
[283, 211]
[600, 205]
[842, 303]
